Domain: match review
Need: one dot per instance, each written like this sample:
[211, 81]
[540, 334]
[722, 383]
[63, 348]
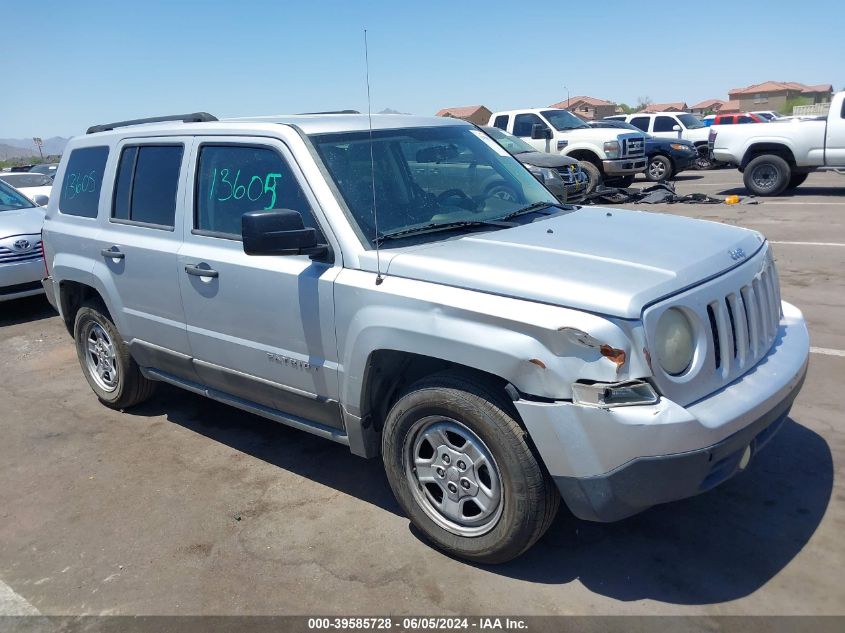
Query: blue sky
[109, 60]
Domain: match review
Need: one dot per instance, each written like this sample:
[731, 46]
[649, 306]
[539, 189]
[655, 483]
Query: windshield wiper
[537, 207]
[435, 227]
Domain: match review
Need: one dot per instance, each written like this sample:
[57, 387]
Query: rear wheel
[594, 176]
[659, 168]
[464, 472]
[796, 180]
[767, 175]
[109, 369]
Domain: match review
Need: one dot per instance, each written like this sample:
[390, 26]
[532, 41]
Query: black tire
[623, 182]
[528, 498]
[130, 386]
[659, 168]
[796, 180]
[594, 176]
[766, 175]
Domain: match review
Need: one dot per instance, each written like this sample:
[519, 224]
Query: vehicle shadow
[315, 458]
[25, 310]
[719, 546]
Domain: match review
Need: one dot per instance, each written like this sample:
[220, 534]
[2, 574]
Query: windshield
[11, 200]
[563, 120]
[689, 121]
[513, 144]
[27, 179]
[426, 175]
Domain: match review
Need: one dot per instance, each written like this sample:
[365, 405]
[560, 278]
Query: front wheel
[594, 176]
[463, 471]
[659, 168]
[767, 175]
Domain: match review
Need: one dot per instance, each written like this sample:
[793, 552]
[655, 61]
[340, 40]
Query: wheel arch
[759, 149]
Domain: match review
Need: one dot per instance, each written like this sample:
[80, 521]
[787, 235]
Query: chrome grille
[11, 255]
[633, 146]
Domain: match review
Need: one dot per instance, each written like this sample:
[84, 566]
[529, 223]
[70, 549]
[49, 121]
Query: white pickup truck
[778, 155]
[604, 153]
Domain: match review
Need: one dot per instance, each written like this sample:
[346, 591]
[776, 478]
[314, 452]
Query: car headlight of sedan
[681, 148]
[544, 174]
[675, 342]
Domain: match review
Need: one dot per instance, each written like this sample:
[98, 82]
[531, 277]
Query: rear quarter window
[83, 181]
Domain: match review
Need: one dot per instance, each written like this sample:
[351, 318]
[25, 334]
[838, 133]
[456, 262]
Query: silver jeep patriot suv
[367, 284]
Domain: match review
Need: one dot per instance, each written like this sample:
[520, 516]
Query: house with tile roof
[589, 108]
[708, 106]
[477, 114]
[676, 106]
[773, 95]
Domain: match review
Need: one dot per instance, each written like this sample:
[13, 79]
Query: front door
[260, 328]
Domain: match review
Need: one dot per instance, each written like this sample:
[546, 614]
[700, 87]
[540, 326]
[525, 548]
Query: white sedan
[30, 184]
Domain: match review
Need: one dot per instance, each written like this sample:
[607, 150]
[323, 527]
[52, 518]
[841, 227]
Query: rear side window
[501, 122]
[664, 124]
[640, 122]
[725, 120]
[147, 182]
[236, 179]
[83, 181]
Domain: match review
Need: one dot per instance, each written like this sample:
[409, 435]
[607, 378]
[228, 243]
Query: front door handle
[197, 271]
[113, 253]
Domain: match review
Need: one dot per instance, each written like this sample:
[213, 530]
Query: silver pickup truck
[367, 284]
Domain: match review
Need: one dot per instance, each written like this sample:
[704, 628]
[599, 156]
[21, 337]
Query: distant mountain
[24, 147]
[391, 111]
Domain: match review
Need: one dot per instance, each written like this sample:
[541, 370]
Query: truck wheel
[767, 175]
[109, 369]
[594, 176]
[464, 472]
[796, 180]
[659, 168]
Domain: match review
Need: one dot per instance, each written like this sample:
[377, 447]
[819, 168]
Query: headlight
[675, 344]
[611, 148]
[543, 173]
[681, 148]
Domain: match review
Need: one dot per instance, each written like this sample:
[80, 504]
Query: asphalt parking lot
[186, 506]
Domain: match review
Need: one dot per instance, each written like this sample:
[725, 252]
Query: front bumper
[21, 279]
[611, 463]
[683, 160]
[623, 166]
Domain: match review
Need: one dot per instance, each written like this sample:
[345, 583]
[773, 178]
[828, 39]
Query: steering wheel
[462, 199]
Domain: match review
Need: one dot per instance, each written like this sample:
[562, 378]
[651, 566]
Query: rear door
[138, 247]
[835, 143]
[260, 328]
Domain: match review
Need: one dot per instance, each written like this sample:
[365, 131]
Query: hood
[21, 222]
[543, 159]
[656, 141]
[607, 261]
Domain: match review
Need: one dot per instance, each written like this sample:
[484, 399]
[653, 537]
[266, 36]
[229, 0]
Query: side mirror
[41, 200]
[676, 128]
[540, 132]
[279, 232]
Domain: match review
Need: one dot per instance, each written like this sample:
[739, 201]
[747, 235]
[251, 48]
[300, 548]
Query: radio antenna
[379, 278]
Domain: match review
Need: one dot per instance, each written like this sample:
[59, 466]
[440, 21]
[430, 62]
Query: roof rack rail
[194, 117]
[333, 112]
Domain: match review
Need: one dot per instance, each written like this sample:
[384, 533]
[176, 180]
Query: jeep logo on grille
[22, 245]
[737, 254]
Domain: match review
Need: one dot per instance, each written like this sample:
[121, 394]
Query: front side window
[80, 194]
[664, 124]
[746, 119]
[524, 123]
[640, 122]
[236, 179]
[11, 200]
[147, 183]
[726, 120]
[425, 177]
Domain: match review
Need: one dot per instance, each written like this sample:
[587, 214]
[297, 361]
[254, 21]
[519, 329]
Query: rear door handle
[113, 253]
[196, 271]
